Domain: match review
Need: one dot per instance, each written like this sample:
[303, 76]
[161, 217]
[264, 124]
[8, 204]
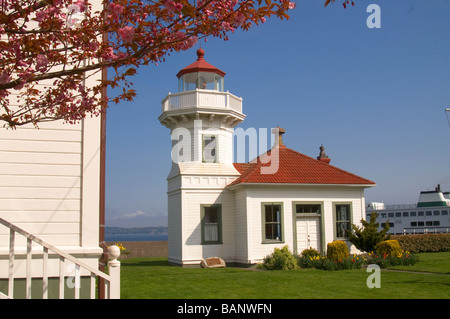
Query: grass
[154, 278]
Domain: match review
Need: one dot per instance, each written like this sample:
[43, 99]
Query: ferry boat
[429, 215]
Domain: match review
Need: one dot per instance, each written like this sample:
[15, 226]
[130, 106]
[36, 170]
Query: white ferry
[429, 215]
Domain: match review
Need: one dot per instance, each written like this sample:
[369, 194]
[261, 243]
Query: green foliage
[311, 252]
[365, 238]
[280, 259]
[389, 247]
[337, 250]
[424, 242]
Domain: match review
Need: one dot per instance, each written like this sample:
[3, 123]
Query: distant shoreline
[119, 234]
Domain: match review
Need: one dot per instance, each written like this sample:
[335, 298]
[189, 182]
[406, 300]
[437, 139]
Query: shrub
[389, 247]
[337, 250]
[367, 237]
[280, 259]
[307, 257]
[424, 242]
[311, 252]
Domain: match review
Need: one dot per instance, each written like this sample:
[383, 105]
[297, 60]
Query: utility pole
[446, 114]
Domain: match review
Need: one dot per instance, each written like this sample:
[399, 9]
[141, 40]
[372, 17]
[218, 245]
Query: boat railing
[400, 206]
[426, 230]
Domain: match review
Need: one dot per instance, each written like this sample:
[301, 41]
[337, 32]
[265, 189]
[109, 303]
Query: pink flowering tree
[50, 48]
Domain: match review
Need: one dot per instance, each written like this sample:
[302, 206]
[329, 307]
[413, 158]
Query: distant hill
[159, 230]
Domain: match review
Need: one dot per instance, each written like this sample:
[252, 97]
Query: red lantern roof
[200, 66]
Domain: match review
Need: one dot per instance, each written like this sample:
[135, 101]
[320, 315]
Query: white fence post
[114, 272]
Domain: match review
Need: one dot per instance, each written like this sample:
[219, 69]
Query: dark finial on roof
[322, 156]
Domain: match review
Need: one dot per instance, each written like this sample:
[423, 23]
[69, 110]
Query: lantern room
[200, 75]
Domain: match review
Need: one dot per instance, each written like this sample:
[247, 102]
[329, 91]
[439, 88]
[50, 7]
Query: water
[134, 237]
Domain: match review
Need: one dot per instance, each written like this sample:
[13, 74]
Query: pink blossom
[239, 19]
[40, 16]
[41, 62]
[171, 6]
[115, 10]
[291, 5]
[126, 33]
[4, 78]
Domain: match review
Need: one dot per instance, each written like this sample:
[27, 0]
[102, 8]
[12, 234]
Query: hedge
[424, 243]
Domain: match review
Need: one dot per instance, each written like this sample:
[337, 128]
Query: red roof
[294, 168]
[200, 66]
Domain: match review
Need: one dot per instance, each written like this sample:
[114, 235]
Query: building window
[272, 222]
[307, 209]
[343, 220]
[209, 154]
[211, 224]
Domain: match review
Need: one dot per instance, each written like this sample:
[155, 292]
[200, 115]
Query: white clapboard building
[52, 208]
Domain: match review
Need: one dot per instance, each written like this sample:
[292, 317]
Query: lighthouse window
[211, 224]
[209, 154]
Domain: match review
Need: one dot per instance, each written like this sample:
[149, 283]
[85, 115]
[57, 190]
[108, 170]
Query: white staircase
[46, 252]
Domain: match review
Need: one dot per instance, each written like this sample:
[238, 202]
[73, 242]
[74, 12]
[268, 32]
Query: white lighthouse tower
[201, 117]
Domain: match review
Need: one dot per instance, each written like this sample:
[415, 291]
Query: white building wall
[241, 225]
[287, 195]
[50, 183]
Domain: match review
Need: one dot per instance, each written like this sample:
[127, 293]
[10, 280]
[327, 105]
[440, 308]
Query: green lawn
[154, 278]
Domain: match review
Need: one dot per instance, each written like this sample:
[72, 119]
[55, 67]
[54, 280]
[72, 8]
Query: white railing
[111, 281]
[426, 230]
[202, 99]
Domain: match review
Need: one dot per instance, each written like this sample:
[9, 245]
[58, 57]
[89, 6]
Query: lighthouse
[201, 117]
[241, 212]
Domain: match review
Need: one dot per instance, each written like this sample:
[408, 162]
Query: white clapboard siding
[41, 216]
[40, 158]
[39, 193]
[25, 169]
[40, 181]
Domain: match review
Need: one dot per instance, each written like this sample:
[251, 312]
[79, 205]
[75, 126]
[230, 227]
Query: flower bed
[357, 261]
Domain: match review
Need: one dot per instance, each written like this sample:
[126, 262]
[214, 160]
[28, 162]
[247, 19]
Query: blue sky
[375, 98]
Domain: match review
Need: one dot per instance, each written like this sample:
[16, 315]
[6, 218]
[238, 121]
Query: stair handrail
[112, 281]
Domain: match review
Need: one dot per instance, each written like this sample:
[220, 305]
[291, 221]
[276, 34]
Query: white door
[308, 233]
